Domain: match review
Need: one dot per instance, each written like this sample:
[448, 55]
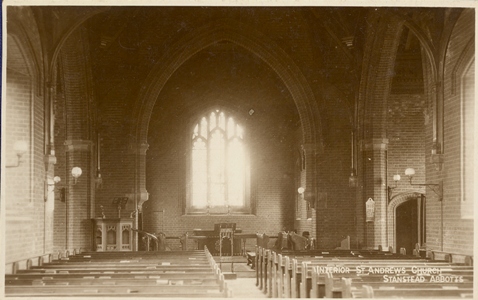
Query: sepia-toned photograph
[236, 149]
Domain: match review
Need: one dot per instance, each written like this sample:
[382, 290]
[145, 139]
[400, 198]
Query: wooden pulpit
[113, 234]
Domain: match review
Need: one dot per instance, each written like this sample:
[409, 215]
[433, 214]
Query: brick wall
[116, 157]
[74, 145]
[273, 131]
[335, 210]
[406, 135]
[59, 233]
[270, 137]
[457, 232]
[27, 231]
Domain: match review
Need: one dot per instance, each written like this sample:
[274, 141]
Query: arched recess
[392, 214]
[18, 34]
[255, 42]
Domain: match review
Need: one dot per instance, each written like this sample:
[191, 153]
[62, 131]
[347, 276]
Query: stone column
[374, 153]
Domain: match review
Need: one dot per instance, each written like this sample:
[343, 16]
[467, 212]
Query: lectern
[226, 231]
[113, 234]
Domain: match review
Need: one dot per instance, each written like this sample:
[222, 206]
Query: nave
[279, 273]
[120, 274]
[353, 126]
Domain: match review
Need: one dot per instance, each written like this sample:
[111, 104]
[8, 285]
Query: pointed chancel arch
[261, 46]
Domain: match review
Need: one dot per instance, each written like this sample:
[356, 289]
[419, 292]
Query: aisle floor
[244, 286]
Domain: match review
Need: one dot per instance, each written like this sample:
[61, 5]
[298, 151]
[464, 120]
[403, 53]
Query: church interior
[162, 130]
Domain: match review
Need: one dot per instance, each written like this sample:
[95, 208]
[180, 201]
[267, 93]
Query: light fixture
[20, 148]
[76, 172]
[437, 188]
[51, 182]
[353, 180]
[301, 191]
[396, 179]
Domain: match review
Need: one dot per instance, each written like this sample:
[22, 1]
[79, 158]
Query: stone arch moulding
[399, 22]
[20, 37]
[392, 214]
[255, 42]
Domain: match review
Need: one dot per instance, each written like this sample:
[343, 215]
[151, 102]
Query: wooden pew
[113, 290]
[343, 285]
[297, 287]
[262, 241]
[29, 277]
[423, 292]
[282, 281]
[98, 274]
[279, 278]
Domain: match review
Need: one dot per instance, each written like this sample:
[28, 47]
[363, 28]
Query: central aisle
[244, 286]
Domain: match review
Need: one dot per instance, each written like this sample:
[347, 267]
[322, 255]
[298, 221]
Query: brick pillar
[310, 193]
[78, 198]
[374, 153]
[139, 194]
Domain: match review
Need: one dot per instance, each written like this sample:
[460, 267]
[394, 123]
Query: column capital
[380, 144]
[140, 197]
[139, 149]
[312, 148]
[78, 145]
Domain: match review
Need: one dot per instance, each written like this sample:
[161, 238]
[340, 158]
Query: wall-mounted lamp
[301, 191]
[51, 182]
[20, 148]
[353, 180]
[437, 188]
[76, 172]
[396, 179]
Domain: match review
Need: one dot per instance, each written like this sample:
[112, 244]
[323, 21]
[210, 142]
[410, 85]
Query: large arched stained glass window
[218, 164]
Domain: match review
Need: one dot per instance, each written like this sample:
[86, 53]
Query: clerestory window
[219, 166]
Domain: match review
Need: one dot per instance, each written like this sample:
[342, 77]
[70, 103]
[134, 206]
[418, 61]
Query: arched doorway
[410, 223]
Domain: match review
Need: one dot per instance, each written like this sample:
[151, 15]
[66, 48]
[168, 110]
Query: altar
[210, 238]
